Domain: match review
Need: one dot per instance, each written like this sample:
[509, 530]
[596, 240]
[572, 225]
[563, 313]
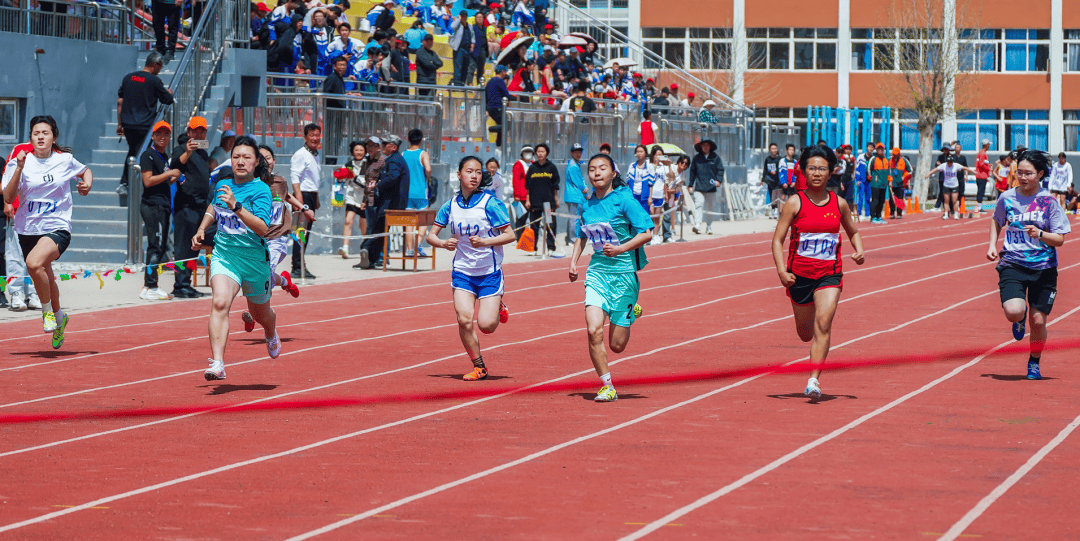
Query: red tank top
[814, 251]
[647, 135]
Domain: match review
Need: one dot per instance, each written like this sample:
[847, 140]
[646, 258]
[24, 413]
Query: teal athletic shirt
[615, 219]
[232, 235]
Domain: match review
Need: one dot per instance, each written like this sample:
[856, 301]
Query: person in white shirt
[665, 178]
[305, 182]
[951, 186]
[41, 179]
[479, 227]
[1061, 179]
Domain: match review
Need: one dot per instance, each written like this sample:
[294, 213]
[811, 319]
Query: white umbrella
[584, 36]
[622, 62]
[569, 41]
[509, 56]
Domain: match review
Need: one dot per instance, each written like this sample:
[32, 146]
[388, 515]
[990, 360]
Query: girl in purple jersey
[1035, 225]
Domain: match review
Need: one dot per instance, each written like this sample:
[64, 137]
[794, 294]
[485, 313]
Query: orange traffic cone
[527, 241]
[907, 209]
[917, 208]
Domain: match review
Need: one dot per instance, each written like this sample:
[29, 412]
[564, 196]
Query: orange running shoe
[504, 313]
[476, 375]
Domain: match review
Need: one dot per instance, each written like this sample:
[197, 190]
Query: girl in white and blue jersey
[1035, 226]
[479, 227]
[641, 176]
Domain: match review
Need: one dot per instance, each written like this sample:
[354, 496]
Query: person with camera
[190, 157]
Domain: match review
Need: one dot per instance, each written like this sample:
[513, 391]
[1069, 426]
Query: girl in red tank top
[812, 271]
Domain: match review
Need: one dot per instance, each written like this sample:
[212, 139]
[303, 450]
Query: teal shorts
[616, 294]
[252, 275]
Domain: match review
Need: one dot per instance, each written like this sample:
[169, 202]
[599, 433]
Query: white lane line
[335, 344]
[538, 454]
[705, 500]
[296, 450]
[958, 529]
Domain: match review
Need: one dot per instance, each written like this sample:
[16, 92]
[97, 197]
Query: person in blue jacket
[575, 194]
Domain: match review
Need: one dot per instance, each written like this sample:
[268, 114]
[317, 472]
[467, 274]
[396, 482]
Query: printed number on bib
[277, 213]
[818, 245]
[230, 223]
[41, 207]
[599, 235]
[470, 228]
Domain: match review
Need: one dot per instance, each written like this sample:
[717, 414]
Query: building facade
[1020, 80]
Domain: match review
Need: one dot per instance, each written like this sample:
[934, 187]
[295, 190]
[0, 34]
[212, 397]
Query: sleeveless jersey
[647, 135]
[814, 251]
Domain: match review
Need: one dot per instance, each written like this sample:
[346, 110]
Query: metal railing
[560, 130]
[134, 233]
[88, 21]
[612, 43]
[191, 82]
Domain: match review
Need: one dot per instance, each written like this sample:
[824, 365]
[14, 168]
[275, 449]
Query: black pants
[185, 223]
[197, 7]
[135, 137]
[897, 194]
[877, 201]
[156, 224]
[311, 199]
[940, 194]
[497, 116]
[981, 193]
[425, 91]
[166, 13]
[376, 224]
[538, 214]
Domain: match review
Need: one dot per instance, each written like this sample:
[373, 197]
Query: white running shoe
[144, 294]
[18, 302]
[343, 252]
[216, 371]
[655, 241]
[944, 215]
[273, 346]
[558, 254]
[33, 302]
[956, 216]
[157, 294]
[813, 389]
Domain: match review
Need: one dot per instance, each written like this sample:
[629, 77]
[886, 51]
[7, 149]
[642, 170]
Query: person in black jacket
[190, 202]
[770, 175]
[427, 64]
[280, 57]
[542, 185]
[391, 193]
[335, 82]
[385, 20]
[136, 106]
[400, 70]
[479, 52]
[706, 174]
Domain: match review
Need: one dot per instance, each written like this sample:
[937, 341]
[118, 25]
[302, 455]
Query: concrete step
[95, 228]
[99, 197]
[104, 171]
[108, 156]
[109, 142]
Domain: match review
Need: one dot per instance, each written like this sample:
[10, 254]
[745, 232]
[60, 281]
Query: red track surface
[922, 446]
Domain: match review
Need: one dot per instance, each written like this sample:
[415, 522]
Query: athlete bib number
[41, 207]
[230, 223]
[599, 235]
[470, 228]
[818, 245]
[277, 212]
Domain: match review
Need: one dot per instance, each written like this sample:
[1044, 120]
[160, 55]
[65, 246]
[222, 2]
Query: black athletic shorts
[802, 292]
[1038, 287]
[1057, 192]
[945, 190]
[354, 208]
[60, 237]
[790, 190]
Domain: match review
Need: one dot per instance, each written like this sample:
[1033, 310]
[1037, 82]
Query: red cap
[689, 94]
[262, 6]
[494, 6]
[638, 76]
[674, 86]
[650, 80]
[548, 26]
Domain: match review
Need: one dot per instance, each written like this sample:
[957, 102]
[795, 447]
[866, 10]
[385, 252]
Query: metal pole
[135, 225]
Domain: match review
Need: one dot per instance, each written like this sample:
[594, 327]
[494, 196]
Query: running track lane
[669, 456]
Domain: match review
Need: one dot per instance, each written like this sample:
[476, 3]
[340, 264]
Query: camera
[202, 143]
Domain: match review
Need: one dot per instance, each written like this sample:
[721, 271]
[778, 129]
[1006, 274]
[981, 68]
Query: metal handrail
[106, 23]
[135, 223]
[646, 53]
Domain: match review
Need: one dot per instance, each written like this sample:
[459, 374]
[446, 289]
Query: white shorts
[278, 249]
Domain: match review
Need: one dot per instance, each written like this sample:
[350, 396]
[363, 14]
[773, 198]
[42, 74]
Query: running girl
[243, 209]
[479, 227]
[277, 239]
[951, 186]
[42, 182]
[1035, 225]
[812, 272]
[618, 227]
[641, 177]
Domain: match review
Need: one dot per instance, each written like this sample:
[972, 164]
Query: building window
[785, 116]
[909, 131]
[1072, 50]
[1072, 130]
[690, 48]
[1007, 50]
[9, 120]
[1029, 127]
[792, 48]
[972, 127]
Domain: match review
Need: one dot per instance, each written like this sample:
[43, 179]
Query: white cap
[708, 103]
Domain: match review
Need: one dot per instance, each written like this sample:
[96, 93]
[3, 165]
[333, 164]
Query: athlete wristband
[1040, 234]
